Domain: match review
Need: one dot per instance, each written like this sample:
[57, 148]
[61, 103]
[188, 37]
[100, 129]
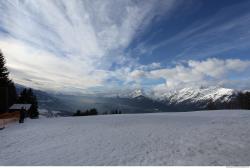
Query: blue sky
[114, 46]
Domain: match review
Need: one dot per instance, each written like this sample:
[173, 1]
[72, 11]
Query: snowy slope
[194, 138]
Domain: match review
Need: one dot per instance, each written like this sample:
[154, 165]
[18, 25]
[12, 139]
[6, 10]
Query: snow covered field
[191, 138]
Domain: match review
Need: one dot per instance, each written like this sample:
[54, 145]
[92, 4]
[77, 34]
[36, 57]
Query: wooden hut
[13, 114]
[16, 108]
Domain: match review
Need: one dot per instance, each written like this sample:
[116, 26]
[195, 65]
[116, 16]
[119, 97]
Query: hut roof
[20, 106]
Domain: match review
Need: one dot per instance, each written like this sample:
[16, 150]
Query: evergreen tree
[78, 113]
[23, 96]
[34, 107]
[93, 111]
[7, 88]
[28, 97]
[4, 73]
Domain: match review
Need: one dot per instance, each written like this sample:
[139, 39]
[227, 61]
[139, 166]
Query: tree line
[116, 111]
[94, 111]
[8, 94]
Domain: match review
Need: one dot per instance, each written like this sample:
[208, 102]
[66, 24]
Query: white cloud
[216, 68]
[63, 44]
[45, 70]
[192, 73]
[154, 65]
[136, 74]
[198, 73]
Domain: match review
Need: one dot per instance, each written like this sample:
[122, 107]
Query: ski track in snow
[190, 138]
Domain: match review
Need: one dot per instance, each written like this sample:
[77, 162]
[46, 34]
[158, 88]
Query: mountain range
[138, 101]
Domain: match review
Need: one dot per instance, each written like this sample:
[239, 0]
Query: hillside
[193, 138]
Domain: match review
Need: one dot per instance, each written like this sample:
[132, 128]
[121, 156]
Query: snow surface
[190, 138]
[49, 113]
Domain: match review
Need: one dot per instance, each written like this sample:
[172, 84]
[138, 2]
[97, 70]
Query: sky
[109, 46]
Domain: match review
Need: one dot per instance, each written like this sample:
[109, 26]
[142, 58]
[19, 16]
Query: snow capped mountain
[189, 95]
[186, 99]
[200, 95]
[195, 95]
[131, 94]
[137, 93]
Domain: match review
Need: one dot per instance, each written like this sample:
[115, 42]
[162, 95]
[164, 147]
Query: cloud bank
[83, 46]
[60, 44]
[200, 73]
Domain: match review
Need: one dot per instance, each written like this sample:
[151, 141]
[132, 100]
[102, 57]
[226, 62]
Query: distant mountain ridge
[187, 99]
[191, 95]
[193, 99]
[137, 101]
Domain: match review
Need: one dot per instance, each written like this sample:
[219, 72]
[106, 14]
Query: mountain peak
[137, 93]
